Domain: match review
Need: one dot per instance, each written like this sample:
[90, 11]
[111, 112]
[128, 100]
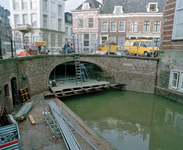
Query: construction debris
[4, 117]
[25, 95]
[20, 116]
[32, 119]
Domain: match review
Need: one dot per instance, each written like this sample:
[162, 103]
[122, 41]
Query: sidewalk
[40, 137]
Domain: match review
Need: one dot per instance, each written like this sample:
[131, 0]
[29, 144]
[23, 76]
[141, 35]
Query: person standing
[66, 47]
[82, 67]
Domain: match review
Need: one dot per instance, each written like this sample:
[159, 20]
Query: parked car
[108, 47]
[144, 46]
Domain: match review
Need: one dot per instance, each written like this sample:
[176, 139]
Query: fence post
[26, 48]
[37, 49]
[137, 51]
[15, 49]
[1, 57]
[153, 52]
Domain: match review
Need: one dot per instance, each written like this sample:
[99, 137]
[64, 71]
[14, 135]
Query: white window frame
[59, 24]
[45, 5]
[53, 9]
[25, 19]
[179, 80]
[159, 27]
[113, 37]
[148, 28]
[102, 26]
[24, 4]
[131, 27]
[45, 25]
[103, 36]
[175, 22]
[33, 3]
[16, 19]
[115, 8]
[154, 3]
[15, 5]
[59, 9]
[79, 24]
[66, 31]
[34, 19]
[85, 5]
[119, 26]
[90, 23]
[111, 26]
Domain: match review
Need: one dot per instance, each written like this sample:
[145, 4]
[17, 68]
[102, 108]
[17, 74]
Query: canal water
[131, 120]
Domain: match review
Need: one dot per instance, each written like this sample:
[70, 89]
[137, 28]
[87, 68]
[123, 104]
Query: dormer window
[152, 7]
[118, 10]
[86, 5]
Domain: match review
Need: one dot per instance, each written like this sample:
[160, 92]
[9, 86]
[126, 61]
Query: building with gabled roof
[85, 25]
[130, 19]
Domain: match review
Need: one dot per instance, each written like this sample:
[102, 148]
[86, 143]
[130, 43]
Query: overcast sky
[69, 4]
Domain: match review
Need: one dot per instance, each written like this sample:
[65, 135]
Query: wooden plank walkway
[60, 92]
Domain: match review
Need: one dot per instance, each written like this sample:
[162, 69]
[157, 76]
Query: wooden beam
[84, 89]
[32, 119]
[74, 91]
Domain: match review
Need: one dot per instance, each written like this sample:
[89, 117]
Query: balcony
[23, 27]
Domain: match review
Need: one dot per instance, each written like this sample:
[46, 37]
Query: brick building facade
[85, 24]
[120, 20]
[171, 54]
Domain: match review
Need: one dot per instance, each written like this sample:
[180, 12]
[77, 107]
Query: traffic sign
[5, 13]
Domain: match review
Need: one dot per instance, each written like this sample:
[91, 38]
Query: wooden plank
[84, 89]
[32, 119]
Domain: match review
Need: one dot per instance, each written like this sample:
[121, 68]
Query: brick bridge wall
[138, 73]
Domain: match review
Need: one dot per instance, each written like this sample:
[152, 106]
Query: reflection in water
[130, 120]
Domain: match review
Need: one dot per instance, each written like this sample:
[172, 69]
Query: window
[69, 18]
[25, 19]
[34, 20]
[71, 31]
[59, 24]
[53, 40]
[113, 26]
[90, 22]
[104, 26]
[146, 26]
[178, 21]
[53, 7]
[133, 37]
[121, 41]
[143, 44]
[118, 10]
[45, 37]
[53, 24]
[104, 39]
[66, 31]
[152, 7]
[45, 5]
[79, 38]
[80, 23]
[17, 19]
[93, 39]
[86, 6]
[157, 26]
[122, 26]
[59, 41]
[45, 21]
[113, 39]
[133, 26]
[24, 4]
[6, 90]
[136, 44]
[86, 39]
[33, 4]
[59, 9]
[15, 4]
[176, 80]
[157, 41]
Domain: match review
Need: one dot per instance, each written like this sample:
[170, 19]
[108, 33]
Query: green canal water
[131, 120]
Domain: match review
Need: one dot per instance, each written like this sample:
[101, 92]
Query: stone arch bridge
[139, 73]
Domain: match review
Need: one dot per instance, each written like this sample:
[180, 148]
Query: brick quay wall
[33, 72]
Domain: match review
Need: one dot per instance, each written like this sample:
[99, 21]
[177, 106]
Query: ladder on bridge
[78, 69]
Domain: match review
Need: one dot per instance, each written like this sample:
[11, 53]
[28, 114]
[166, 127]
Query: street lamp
[40, 36]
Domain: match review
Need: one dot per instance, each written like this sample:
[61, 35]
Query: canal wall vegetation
[139, 73]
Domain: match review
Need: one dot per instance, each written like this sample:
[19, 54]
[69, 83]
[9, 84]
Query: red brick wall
[168, 19]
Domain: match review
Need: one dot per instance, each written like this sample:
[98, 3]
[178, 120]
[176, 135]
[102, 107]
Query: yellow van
[108, 46]
[145, 47]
